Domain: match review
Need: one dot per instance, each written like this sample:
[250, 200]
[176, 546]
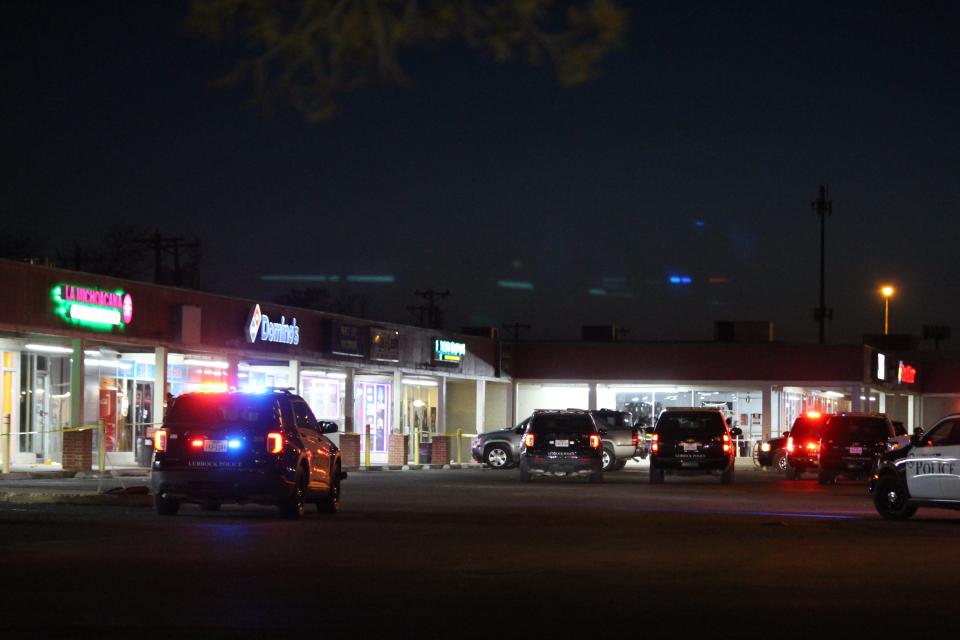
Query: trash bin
[426, 451]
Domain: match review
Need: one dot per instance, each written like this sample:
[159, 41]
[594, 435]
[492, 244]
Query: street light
[887, 292]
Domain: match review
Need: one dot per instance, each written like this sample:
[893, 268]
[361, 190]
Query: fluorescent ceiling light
[414, 382]
[48, 348]
[213, 364]
[832, 394]
[118, 364]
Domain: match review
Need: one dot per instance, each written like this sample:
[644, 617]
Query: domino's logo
[253, 325]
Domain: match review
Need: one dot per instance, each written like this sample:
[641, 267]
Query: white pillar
[348, 403]
[233, 372]
[294, 376]
[159, 386]
[512, 403]
[856, 404]
[592, 397]
[481, 406]
[397, 401]
[881, 402]
[77, 373]
[766, 411]
[442, 405]
[911, 413]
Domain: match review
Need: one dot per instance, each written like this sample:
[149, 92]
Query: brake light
[726, 443]
[274, 442]
[196, 443]
[635, 438]
[655, 443]
[813, 415]
[160, 440]
[528, 440]
[813, 446]
[594, 441]
[790, 446]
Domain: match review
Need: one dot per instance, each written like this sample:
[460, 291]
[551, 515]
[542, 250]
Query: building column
[294, 376]
[233, 372]
[77, 373]
[397, 407]
[77, 446]
[881, 402]
[766, 411]
[481, 406]
[512, 402]
[348, 402]
[442, 405]
[856, 404]
[911, 413]
[592, 397]
[160, 357]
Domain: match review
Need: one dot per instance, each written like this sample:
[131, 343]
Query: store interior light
[419, 382]
[832, 394]
[91, 353]
[48, 348]
[96, 362]
[214, 364]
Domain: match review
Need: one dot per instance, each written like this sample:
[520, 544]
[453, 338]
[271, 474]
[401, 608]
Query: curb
[412, 467]
[94, 499]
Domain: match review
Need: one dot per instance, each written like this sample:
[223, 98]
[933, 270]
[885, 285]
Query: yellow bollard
[366, 454]
[416, 446]
[102, 448]
[459, 448]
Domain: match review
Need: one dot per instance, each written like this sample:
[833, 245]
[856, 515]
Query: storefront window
[44, 402]
[373, 411]
[324, 392]
[419, 409]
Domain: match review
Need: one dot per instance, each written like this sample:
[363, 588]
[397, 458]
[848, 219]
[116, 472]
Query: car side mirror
[736, 432]
[918, 431]
[328, 427]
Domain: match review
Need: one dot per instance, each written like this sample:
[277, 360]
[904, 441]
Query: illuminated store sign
[448, 350]
[881, 366]
[259, 326]
[93, 308]
[906, 374]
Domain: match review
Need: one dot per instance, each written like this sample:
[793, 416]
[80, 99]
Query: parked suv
[850, 442]
[263, 448]
[691, 441]
[501, 449]
[561, 443]
[924, 473]
[803, 445]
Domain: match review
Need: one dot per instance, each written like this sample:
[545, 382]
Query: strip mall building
[79, 348]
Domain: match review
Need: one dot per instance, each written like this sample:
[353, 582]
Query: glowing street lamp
[887, 292]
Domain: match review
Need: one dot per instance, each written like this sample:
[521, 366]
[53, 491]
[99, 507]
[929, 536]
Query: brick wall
[441, 450]
[399, 449]
[350, 450]
[78, 450]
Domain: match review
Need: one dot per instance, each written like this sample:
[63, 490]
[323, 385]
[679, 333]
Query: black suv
[849, 444]
[692, 441]
[561, 443]
[264, 448]
[803, 445]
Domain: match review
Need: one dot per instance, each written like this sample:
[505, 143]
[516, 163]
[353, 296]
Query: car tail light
[160, 440]
[727, 447]
[813, 446]
[594, 441]
[274, 442]
[635, 438]
[528, 440]
[813, 415]
[655, 443]
[790, 446]
[196, 443]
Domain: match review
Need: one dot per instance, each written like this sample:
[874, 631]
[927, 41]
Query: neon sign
[906, 374]
[448, 350]
[259, 325]
[93, 308]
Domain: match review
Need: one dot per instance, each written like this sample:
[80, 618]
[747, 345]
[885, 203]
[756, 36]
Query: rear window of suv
[562, 423]
[855, 429]
[211, 410]
[691, 425]
[806, 428]
[613, 419]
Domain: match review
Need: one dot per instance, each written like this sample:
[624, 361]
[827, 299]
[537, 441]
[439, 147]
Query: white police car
[924, 473]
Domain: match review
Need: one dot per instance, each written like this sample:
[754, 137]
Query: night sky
[696, 153]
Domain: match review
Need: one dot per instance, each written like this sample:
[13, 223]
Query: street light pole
[887, 292]
[822, 207]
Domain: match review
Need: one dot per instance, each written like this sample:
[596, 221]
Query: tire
[727, 476]
[656, 476]
[330, 503]
[791, 473]
[620, 465]
[497, 456]
[596, 478]
[165, 506]
[825, 478]
[295, 505]
[609, 459]
[890, 498]
[780, 461]
[524, 474]
[210, 505]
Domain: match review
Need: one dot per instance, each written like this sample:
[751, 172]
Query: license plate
[856, 450]
[687, 446]
[690, 465]
[561, 443]
[214, 446]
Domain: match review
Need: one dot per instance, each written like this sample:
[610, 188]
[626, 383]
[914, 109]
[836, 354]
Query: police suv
[922, 473]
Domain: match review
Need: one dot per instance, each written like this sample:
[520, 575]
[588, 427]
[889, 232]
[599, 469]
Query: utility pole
[822, 207]
[435, 314]
[162, 245]
[418, 308]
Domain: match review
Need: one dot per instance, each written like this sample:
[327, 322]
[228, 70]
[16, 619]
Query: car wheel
[295, 505]
[596, 477]
[524, 475]
[497, 456]
[608, 458]
[166, 506]
[727, 476]
[656, 476]
[780, 461]
[825, 478]
[330, 503]
[210, 505]
[890, 498]
[791, 473]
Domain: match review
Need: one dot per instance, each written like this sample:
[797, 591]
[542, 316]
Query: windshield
[562, 423]
[216, 409]
[690, 425]
[855, 429]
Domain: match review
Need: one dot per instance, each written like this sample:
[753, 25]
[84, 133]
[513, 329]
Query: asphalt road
[474, 553]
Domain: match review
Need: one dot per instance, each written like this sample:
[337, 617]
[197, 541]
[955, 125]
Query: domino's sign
[260, 327]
